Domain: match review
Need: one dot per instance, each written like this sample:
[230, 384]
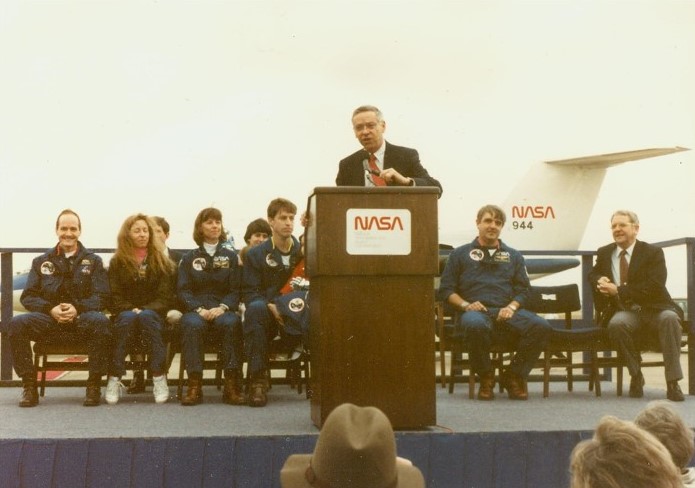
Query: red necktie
[377, 180]
[623, 267]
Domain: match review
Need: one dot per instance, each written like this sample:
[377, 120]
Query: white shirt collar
[379, 155]
[628, 250]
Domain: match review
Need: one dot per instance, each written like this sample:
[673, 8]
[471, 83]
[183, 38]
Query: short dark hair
[162, 222]
[494, 210]
[281, 204]
[67, 211]
[256, 226]
[203, 215]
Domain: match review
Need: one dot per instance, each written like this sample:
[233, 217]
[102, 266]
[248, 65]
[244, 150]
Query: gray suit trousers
[623, 325]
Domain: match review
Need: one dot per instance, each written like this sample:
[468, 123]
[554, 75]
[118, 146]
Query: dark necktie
[623, 267]
[377, 180]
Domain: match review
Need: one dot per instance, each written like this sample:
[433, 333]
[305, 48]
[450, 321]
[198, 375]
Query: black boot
[30, 394]
[673, 392]
[92, 397]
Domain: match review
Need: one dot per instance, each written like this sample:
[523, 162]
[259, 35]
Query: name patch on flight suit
[47, 268]
[501, 257]
[220, 262]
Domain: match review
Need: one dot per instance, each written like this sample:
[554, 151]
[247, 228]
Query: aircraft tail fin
[551, 205]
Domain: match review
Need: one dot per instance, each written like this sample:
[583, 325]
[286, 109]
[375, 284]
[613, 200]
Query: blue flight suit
[80, 280]
[495, 280]
[208, 282]
[263, 277]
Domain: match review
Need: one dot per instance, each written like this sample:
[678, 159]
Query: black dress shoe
[30, 396]
[637, 386]
[137, 384]
[673, 392]
[92, 397]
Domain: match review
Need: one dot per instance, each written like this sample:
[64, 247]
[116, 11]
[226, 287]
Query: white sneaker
[160, 389]
[113, 390]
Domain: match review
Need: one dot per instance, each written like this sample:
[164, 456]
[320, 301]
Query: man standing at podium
[486, 281]
[380, 163]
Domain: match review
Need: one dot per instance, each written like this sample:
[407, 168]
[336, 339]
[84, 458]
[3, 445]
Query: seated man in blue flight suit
[66, 291]
[266, 269]
[487, 281]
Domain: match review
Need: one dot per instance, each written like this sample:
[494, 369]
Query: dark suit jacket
[646, 283]
[403, 159]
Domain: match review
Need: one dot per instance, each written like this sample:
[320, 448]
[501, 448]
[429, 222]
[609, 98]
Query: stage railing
[586, 257]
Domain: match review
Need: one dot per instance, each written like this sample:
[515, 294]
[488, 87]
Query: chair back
[554, 299]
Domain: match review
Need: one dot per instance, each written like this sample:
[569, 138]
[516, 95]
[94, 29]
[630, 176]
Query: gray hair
[369, 108]
[627, 213]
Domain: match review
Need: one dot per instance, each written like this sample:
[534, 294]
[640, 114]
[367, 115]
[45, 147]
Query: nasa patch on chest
[47, 268]
[220, 262]
[501, 257]
[270, 261]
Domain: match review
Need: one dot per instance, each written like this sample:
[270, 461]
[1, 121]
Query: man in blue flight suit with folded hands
[66, 291]
[487, 282]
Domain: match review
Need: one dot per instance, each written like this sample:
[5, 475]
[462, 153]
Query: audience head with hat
[356, 448]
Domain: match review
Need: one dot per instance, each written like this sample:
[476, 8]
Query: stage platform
[503, 444]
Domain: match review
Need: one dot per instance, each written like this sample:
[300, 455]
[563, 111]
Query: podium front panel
[372, 255]
[372, 344]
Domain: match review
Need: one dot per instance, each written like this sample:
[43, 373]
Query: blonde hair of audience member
[663, 421]
[157, 260]
[622, 455]
[356, 448]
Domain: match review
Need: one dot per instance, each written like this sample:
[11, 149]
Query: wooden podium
[372, 255]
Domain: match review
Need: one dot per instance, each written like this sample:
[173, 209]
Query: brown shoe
[93, 396]
[137, 384]
[487, 386]
[673, 392]
[194, 393]
[232, 393]
[30, 395]
[515, 386]
[259, 386]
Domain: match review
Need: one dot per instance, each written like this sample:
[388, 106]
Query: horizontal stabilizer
[602, 161]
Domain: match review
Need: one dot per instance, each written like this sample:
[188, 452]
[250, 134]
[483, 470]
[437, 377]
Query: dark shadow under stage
[138, 443]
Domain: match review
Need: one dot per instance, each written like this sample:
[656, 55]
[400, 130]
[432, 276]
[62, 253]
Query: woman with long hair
[140, 275]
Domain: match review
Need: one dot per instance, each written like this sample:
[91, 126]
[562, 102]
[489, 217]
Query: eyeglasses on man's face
[368, 126]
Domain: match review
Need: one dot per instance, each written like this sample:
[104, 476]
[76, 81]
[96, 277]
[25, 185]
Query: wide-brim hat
[355, 449]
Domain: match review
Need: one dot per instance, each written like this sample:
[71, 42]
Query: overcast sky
[116, 107]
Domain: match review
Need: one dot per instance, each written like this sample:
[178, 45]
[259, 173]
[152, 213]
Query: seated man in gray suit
[629, 279]
[380, 163]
